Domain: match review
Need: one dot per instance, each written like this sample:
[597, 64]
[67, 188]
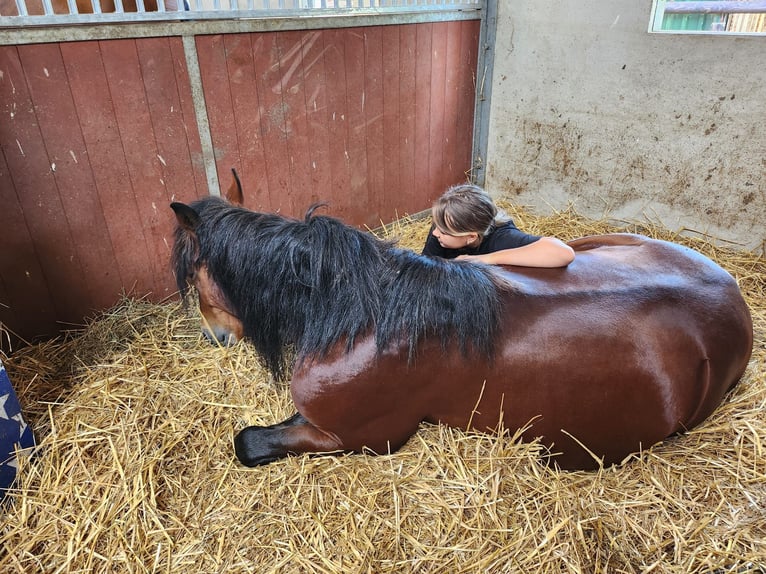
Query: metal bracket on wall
[200, 112]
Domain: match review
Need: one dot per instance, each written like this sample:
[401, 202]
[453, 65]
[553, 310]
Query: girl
[468, 225]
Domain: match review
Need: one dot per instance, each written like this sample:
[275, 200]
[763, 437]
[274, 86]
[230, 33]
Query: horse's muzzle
[219, 338]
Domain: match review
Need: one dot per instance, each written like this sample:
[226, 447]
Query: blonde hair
[466, 208]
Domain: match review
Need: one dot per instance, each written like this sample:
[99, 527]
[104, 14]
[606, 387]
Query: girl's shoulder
[505, 223]
[506, 235]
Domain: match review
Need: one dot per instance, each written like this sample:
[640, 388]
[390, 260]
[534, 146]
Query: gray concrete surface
[590, 109]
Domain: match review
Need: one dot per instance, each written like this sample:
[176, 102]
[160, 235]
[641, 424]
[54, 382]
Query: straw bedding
[135, 414]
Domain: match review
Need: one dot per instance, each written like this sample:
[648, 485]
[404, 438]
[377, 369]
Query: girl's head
[463, 215]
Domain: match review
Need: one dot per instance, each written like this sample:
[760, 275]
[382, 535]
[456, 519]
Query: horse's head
[220, 323]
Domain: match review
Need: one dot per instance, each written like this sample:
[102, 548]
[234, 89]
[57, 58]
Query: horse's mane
[310, 284]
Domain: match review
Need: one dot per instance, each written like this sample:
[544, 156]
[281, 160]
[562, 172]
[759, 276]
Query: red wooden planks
[423, 113]
[315, 93]
[296, 129]
[161, 71]
[410, 197]
[365, 118]
[61, 131]
[373, 121]
[452, 168]
[390, 201]
[273, 118]
[357, 193]
[190, 136]
[37, 89]
[335, 74]
[438, 112]
[243, 120]
[104, 151]
[23, 285]
[24, 280]
[101, 139]
[132, 111]
[211, 53]
[172, 163]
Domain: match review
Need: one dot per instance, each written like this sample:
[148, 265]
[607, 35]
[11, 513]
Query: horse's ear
[186, 216]
[312, 208]
[234, 194]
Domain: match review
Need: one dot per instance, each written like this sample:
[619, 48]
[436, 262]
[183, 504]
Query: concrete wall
[589, 109]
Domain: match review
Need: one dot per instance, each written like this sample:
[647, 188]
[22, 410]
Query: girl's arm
[545, 252]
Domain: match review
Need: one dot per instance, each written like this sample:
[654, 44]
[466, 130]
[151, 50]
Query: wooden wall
[99, 137]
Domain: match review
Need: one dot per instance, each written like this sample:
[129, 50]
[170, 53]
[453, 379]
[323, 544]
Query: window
[745, 17]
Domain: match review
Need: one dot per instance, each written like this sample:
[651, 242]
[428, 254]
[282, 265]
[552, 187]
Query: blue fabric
[13, 431]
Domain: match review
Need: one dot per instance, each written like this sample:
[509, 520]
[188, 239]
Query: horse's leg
[256, 445]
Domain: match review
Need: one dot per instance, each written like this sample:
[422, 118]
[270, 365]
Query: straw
[134, 417]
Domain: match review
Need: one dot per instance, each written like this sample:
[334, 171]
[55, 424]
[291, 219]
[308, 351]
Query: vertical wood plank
[335, 73]
[436, 157]
[315, 86]
[358, 190]
[297, 136]
[9, 339]
[451, 164]
[423, 117]
[373, 117]
[176, 175]
[411, 199]
[391, 197]
[64, 142]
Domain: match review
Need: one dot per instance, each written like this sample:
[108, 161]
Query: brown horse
[35, 7]
[634, 341]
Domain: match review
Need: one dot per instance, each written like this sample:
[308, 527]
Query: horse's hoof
[252, 447]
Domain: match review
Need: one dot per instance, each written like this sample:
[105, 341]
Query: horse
[635, 341]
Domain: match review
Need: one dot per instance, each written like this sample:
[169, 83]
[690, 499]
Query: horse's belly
[590, 380]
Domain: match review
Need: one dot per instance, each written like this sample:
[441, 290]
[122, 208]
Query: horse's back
[625, 278]
[622, 262]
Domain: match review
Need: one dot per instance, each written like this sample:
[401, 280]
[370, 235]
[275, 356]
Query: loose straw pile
[134, 472]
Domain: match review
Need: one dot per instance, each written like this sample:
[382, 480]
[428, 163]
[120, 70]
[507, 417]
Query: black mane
[310, 284]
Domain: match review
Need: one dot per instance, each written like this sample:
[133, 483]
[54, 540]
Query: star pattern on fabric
[17, 417]
[22, 425]
[11, 422]
[3, 400]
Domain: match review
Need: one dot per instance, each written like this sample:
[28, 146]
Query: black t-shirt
[504, 236]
